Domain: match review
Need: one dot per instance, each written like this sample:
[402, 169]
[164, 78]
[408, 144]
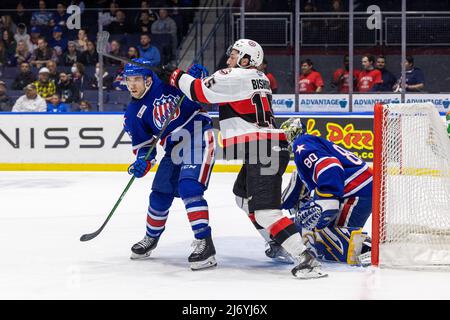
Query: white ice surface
[43, 215]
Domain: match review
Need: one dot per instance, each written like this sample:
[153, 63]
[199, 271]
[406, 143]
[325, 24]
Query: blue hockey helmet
[134, 70]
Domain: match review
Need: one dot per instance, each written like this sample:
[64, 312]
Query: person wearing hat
[5, 101]
[30, 101]
[35, 34]
[44, 86]
[58, 42]
[22, 35]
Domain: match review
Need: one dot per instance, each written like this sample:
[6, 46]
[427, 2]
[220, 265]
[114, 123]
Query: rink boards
[97, 142]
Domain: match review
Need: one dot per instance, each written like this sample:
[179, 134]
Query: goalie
[330, 196]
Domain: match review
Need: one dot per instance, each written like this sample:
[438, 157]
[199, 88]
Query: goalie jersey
[244, 97]
[145, 117]
[330, 170]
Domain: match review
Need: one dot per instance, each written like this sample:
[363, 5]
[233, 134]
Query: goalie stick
[103, 36]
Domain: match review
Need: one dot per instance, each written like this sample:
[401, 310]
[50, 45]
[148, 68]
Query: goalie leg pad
[336, 244]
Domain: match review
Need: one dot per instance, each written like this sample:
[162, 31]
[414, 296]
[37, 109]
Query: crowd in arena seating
[39, 53]
[373, 77]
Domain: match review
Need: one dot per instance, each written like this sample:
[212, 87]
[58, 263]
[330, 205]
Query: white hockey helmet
[250, 48]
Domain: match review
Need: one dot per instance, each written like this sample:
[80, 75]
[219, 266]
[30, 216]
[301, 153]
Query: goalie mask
[292, 127]
[248, 49]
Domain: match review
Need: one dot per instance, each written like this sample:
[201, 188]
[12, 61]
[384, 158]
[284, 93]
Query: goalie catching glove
[317, 213]
[140, 167]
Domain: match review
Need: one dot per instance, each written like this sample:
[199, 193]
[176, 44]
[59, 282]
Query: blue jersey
[145, 117]
[331, 170]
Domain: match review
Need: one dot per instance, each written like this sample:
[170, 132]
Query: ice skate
[278, 254]
[308, 267]
[143, 248]
[203, 255]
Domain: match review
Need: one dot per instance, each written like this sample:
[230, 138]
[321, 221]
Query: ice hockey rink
[43, 215]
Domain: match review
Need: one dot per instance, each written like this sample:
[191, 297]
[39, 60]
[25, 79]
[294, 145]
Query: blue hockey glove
[140, 168]
[318, 213]
[198, 71]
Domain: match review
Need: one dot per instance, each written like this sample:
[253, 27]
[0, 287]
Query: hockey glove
[318, 213]
[198, 71]
[170, 74]
[140, 168]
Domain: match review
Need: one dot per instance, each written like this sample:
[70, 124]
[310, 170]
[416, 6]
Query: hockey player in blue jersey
[185, 168]
[330, 196]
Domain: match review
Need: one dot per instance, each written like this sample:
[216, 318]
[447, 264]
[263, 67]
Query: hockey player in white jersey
[249, 133]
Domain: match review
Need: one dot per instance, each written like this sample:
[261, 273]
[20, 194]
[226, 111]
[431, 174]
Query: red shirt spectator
[310, 80]
[273, 82]
[369, 77]
[340, 77]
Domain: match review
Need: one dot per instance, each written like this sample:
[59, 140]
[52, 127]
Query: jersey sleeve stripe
[358, 183]
[197, 91]
[324, 164]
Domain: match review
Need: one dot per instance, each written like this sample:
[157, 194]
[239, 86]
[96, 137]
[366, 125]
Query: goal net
[411, 187]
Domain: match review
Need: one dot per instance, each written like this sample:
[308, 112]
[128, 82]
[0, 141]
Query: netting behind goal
[411, 207]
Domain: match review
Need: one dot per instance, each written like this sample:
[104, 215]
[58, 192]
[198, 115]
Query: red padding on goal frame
[377, 170]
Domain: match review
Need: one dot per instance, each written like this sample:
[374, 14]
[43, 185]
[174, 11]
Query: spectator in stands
[115, 51]
[107, 79]
[30, 101]
[340, 77]
[273, 82]
[119, 82]
[250, 5]
[35, 35]
[120, 25]
[61, 15]
[166, 25]
[369, 79]
[71, 55]
[53, 71]
[21, 16]
[22, 54]
[55, 104]
[6, 23]
[42, 54]
[147, 51]
[85, 106]
[387, 76]
[310, 80]
[58, 42]
[42, 18]
[144, 24]
[44, 86]
[82, 41]
[79, 77]
[21, 35]
[3, 55]
[24, 77]
[90, 56]
[66, 89]
[108, 17]
[6, 102]
[415, 79]
[10, 43]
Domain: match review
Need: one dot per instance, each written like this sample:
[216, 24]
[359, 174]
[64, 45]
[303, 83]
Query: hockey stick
[90, 236]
